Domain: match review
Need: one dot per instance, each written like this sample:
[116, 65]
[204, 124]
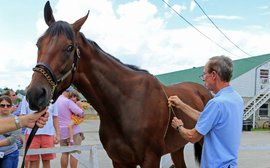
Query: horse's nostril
[37, 98]
[42, 94]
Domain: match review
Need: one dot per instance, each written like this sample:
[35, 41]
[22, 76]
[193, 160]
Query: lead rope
[29, 140]
[170, 111]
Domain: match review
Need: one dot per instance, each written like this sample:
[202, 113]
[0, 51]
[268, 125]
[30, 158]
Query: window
[263, 111]
[264, 73]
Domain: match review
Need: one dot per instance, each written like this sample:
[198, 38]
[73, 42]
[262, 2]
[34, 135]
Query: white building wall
[245, 84]
[262, 82]
[249, 83]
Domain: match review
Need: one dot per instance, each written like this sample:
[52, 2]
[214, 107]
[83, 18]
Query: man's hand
[40, 118]
[176, 122]
[175, 101]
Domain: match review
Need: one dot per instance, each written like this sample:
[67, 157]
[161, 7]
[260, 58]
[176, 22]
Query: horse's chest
[118, 149]
[117, 144]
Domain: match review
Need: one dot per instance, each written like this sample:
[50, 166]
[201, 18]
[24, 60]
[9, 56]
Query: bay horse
[135, 121]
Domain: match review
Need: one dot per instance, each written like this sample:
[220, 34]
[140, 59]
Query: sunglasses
[5, 105]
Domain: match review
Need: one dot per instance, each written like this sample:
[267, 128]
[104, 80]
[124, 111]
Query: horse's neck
[102, 79]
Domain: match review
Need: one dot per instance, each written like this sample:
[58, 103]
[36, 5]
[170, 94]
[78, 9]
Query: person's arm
[11, 138]
[54, 111]
[79, 103]
[56, 127]
[10, 124]
[75, 109]
[14, 136]
[190, 135]
[4, 142]
[176, 102]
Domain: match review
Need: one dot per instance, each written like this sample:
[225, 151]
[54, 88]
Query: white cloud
[136, 34]
[17, 61]
[264, 10]
[264, 7]
[179, 8]
[192, 5]
[218, 17]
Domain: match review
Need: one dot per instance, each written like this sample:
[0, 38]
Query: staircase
[256, 102]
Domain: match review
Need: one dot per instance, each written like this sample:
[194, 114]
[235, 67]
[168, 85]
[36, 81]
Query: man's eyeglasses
[202, 76]
[5, 105]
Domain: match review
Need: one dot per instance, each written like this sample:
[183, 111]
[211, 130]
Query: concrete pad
[254, 150]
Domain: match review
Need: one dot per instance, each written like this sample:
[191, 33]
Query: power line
[197, 28]
[219, 29]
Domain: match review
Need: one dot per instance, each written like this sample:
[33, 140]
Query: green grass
[259, 129]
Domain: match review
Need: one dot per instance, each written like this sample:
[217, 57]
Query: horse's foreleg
[151, 161]
[178, 158]
[122, 165]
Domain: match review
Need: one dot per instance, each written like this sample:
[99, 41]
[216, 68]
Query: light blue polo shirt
[221, 124]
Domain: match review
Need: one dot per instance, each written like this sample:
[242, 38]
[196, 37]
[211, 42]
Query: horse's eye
[70, 48]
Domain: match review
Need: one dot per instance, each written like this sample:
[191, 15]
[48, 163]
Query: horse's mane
[62, 27]
[93, 43]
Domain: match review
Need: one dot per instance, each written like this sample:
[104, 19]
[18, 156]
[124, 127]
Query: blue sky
[145, 33]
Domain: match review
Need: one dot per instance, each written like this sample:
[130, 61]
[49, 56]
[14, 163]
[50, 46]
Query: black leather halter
[47, 72]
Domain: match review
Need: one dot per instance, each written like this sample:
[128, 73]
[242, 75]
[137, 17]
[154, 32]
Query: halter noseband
[47, 72]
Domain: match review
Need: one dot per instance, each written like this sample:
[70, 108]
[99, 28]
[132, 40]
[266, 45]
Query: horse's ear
[78, 24]
[48, 14]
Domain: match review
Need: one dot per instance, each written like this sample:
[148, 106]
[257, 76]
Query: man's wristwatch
[178, 127]
[17, 122]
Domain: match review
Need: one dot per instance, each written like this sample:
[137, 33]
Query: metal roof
[241, 66]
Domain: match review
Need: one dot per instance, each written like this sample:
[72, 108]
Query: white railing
[256, 102]
[92, 162]
[263, 91]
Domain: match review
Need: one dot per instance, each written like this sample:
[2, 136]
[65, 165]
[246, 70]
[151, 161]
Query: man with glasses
[220, 123]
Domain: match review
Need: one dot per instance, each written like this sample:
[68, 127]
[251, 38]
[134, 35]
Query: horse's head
[58, 54]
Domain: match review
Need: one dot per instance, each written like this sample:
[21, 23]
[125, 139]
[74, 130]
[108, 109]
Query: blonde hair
[74, 93]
